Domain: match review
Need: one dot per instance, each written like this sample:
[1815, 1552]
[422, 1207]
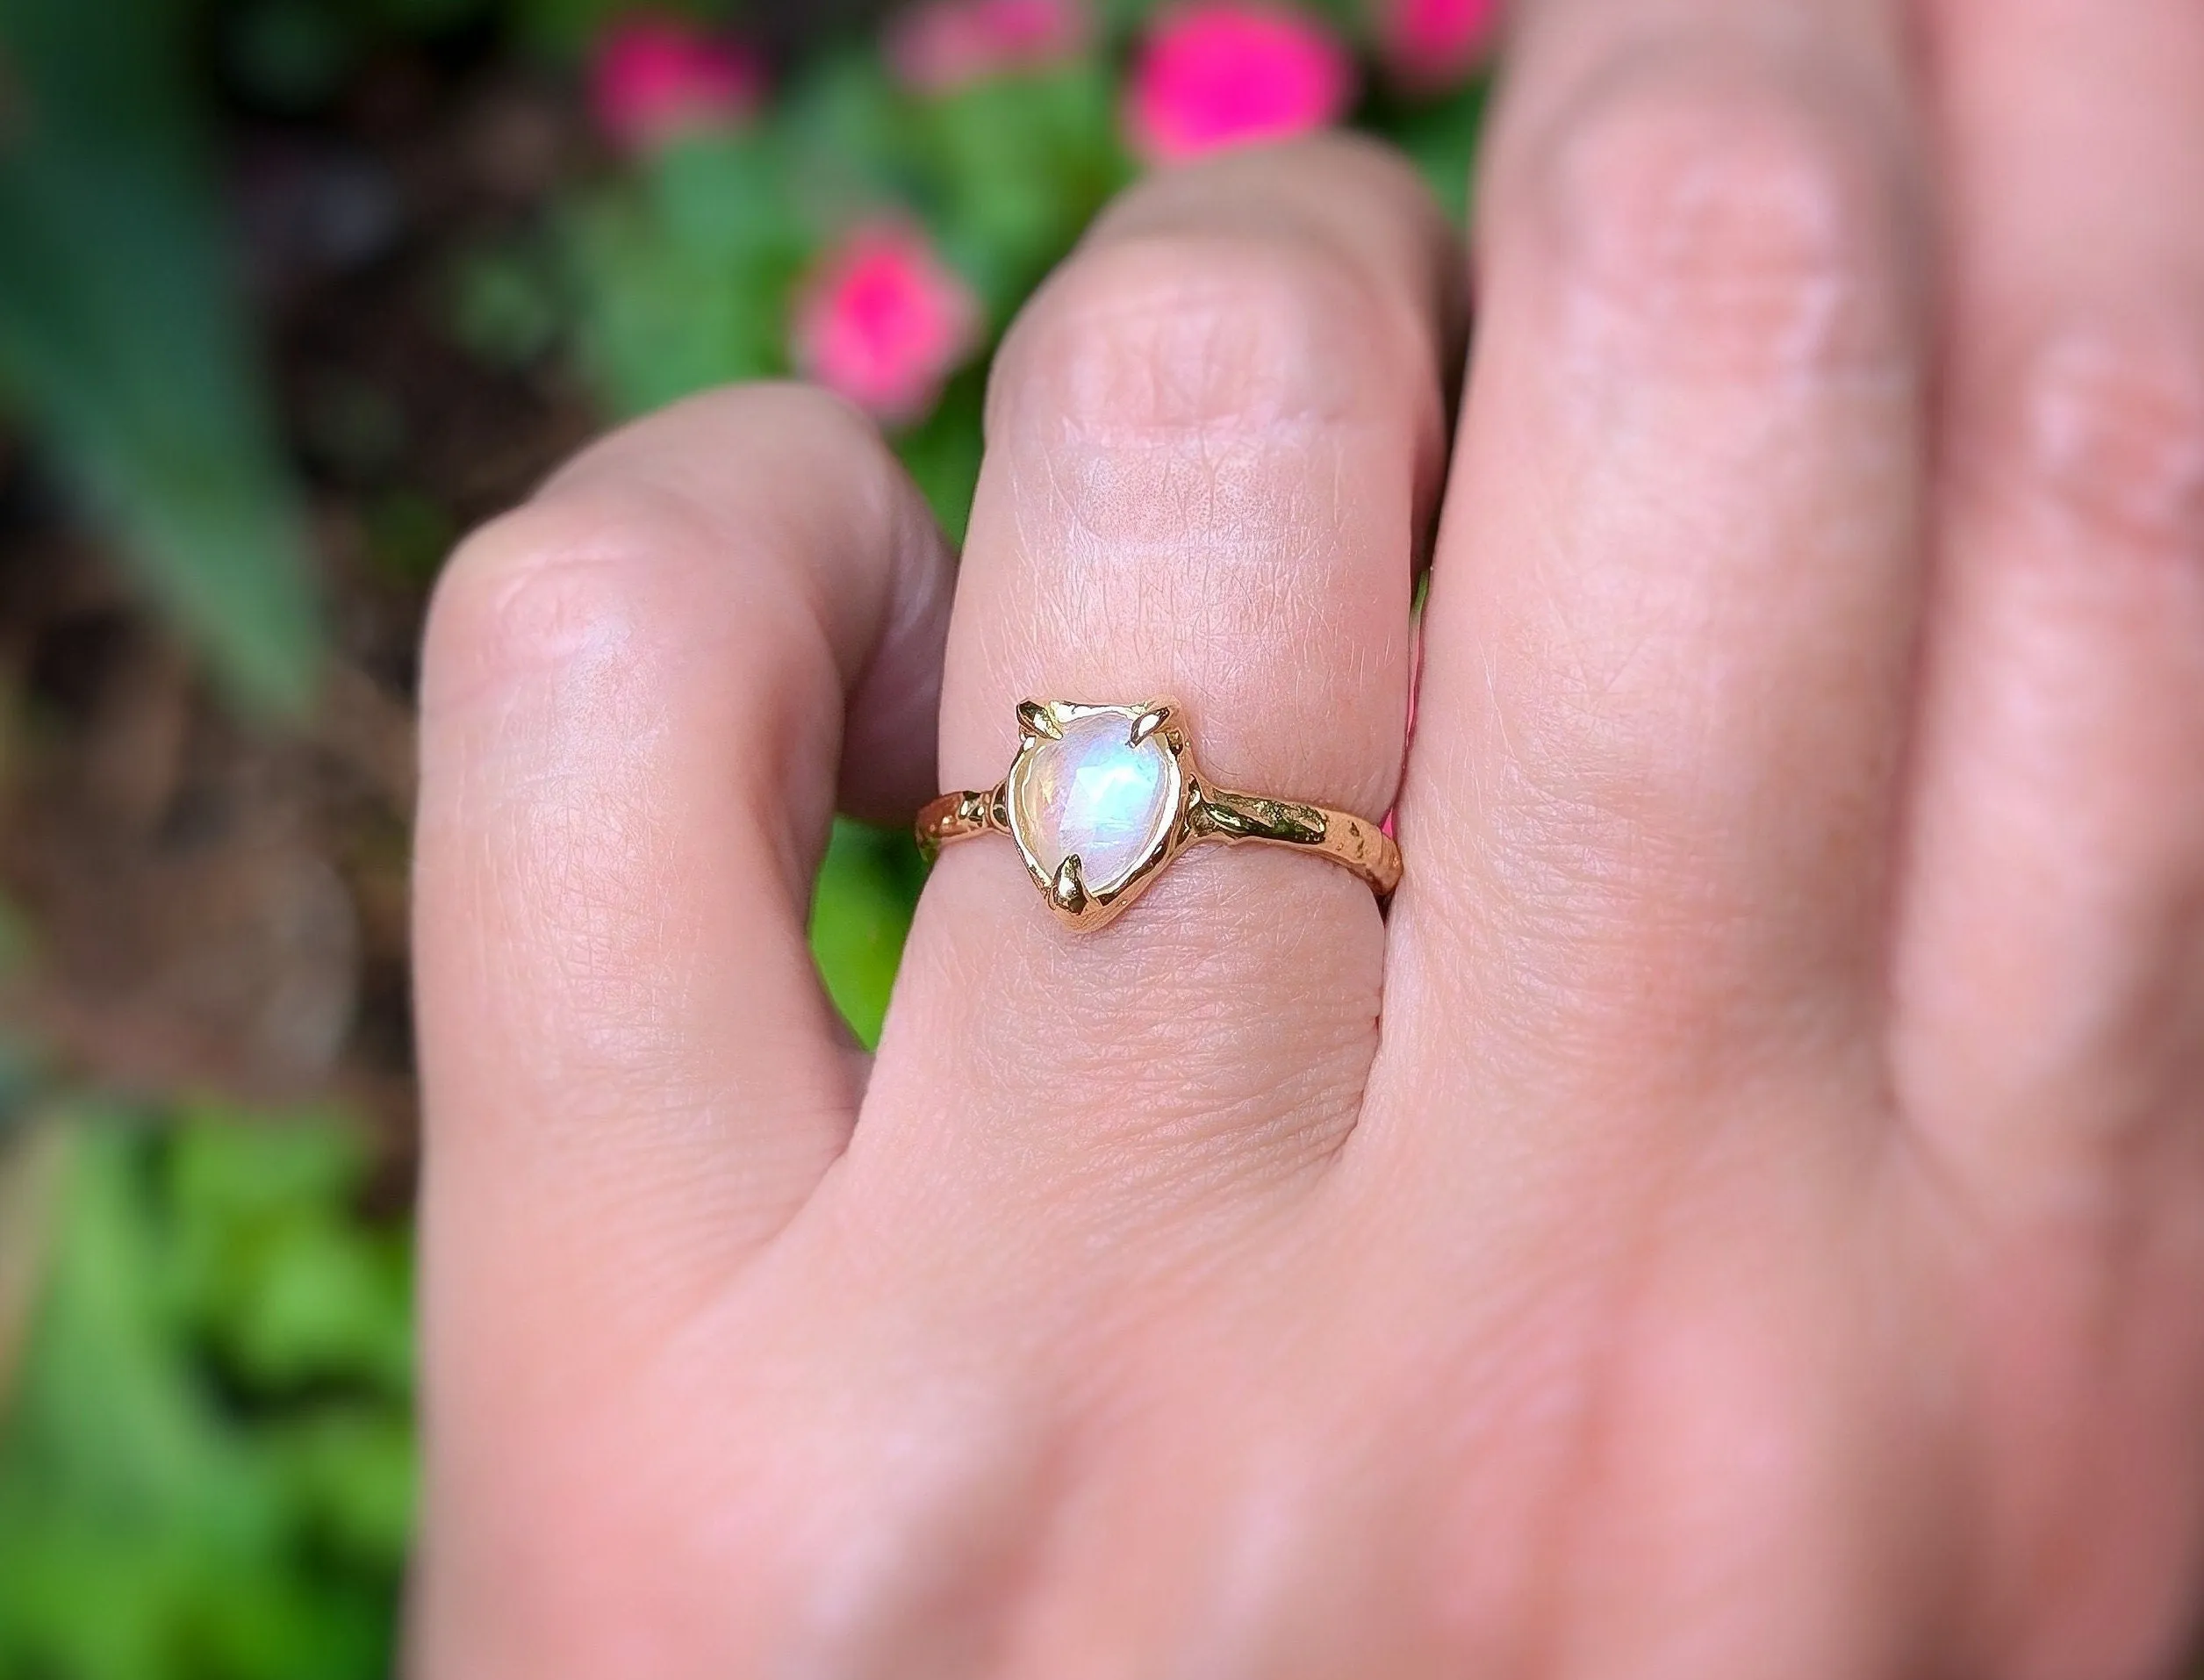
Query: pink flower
[1223, 73]
[1434, 43]
[884, 322]
[653, 78]
[946, 45]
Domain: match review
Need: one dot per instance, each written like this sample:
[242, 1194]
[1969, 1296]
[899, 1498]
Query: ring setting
[1100, 797]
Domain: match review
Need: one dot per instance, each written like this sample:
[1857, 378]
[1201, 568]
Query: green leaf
[166, 1511]
[850, 135]
[1024, 163]
[122, 339]
[859, 918]
[684, 277]
[942, 452]
[271, 1273]
[1441, 136]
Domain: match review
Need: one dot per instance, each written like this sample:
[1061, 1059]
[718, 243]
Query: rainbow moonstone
[1095, 794]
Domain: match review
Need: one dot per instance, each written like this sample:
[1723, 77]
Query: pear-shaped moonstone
[1094, 794]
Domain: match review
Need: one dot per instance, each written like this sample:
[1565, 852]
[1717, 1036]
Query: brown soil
[212, 906]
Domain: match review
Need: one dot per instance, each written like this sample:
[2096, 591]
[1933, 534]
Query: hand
[1740, 1214]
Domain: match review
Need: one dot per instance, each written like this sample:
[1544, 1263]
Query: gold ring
[1100, 797]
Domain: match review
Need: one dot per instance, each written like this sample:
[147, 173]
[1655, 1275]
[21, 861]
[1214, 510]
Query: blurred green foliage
[124, 344]
[685, 271]
[123, 337]
[207, 1466]
[860, 915]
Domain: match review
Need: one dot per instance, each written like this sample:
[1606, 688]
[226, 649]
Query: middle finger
[1670, 632]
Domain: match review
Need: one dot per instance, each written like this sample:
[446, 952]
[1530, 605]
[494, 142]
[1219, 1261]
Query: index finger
[632, 720]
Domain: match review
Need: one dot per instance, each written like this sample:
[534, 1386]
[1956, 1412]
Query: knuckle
[2101, 426]
[554, 585]
[1170, 332]
[1724, 219]
[620, 546]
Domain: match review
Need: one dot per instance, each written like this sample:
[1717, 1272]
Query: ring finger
[1212, 438]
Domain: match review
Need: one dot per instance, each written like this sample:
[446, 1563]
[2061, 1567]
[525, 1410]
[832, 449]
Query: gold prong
[1068, 889]
[1151, 720]
[1035, 719]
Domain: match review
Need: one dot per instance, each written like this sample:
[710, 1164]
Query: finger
[632, 705]
[2050, 1045]
[1667, 639]
[1210, 436]
[2055, 956]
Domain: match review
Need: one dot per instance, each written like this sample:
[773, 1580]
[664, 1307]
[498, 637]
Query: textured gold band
[1215, 814]
[1142, 751]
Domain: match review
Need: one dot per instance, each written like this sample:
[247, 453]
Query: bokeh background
[293, 292]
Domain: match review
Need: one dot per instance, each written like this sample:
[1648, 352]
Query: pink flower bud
[1432, 44]
[939, 48]
[884, 322]
[1223, 73]
[653, 78]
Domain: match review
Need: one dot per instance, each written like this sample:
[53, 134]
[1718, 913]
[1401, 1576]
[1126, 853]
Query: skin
[1740, 1212]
